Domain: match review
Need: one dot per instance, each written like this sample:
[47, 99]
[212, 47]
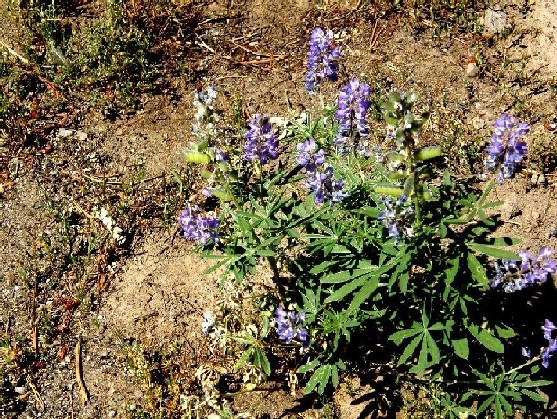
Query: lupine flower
[261, 141]
[288, 325]
[531, 270]
[197, 227]
[320, 179]
[322, 58]
[353, 104]
[506, 150]
[551, 347]
[220, 156]
[397, 217]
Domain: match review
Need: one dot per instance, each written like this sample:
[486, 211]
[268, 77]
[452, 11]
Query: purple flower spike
[397, 217]
[322, 58]
[320, 178]
[551, 347]
[506, 149]
[197, 227]
[531, 270]
[288, 326]
[261, 142]
[353, 104]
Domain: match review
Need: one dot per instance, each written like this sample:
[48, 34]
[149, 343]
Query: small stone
[112, 414]
[81, 136]
[472, 70]
[64, 133]
[20, 390]
[534, 180]
[495, 21]
[14, 167]
[478, 123]
[541, 179]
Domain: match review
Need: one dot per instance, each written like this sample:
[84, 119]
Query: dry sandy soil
[155, 293]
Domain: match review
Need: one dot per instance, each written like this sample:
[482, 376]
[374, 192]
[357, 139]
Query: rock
[81, 136]
[14, 167]
[495, 21]
[64, 133]
[472, 70]
[478, 123]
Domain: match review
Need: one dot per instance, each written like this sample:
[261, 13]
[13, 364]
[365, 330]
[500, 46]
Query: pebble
[478, 123]
[14, 167]
[472, 70]
[495, 21]
[64, 133]
[81, 136]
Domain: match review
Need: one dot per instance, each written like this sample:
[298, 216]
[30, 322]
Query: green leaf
[322, 267]
[434, 352]
[533, 395]
[399, 336]
[262, 361]
[503, 241]
[536, 383]
[337, 278]
[364, 293]
[198, 158]
[493, 251]
[428, 153]
[409, 350]
[420, 368]
[242, 360]
[334, 375]
[341, 365]
[346, 289]
[389, 191]
[485, 404]
[505, 332]
[506, 405]
[461, 348]
[308, 367]
[403, 282]
[265, 252]
[265, 326]
[341, 250]
[490, 342]
[478, 271]
[450, 274]
[320, 377]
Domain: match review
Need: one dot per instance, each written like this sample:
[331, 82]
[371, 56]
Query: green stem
[530, 361]
[411, 172]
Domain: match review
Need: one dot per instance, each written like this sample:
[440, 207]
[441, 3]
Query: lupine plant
[384, 246]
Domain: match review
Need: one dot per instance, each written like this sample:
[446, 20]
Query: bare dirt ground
[153, 293]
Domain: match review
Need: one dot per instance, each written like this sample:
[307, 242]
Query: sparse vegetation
[337, 267]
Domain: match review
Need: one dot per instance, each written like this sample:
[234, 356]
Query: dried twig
[34, 319]
[14, 52]
[261, 54]
[79, 373]
[36, 393]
